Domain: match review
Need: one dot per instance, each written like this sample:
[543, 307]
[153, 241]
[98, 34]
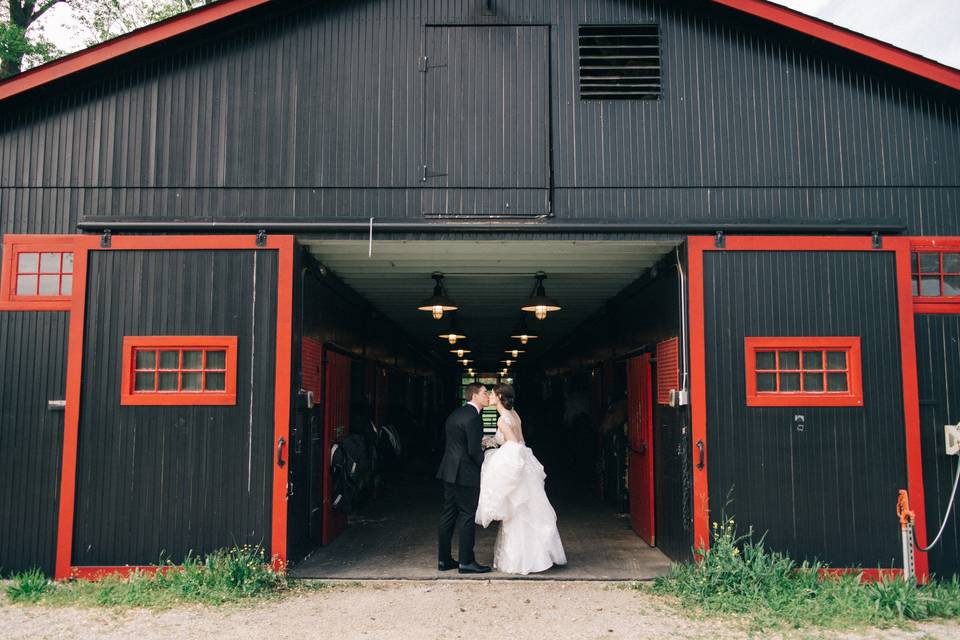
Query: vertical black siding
[755, 123]
[828, 491]
[174, 480]
[938, 368]
[34, 349]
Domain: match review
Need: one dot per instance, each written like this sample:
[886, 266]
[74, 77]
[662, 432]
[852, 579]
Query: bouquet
[488, 443]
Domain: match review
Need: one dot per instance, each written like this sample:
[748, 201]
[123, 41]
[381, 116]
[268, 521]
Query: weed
[740, 576]
[29, 586]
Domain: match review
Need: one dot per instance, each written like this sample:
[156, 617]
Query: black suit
[460, 472]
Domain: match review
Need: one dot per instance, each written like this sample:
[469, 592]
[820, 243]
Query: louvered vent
[619, 62]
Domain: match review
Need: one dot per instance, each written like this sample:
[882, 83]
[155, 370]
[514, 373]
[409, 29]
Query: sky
[930, 28]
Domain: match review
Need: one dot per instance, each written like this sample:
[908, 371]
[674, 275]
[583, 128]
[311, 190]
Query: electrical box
[679, 398]
[951, 436]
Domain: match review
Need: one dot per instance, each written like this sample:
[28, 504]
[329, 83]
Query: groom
[460, 472]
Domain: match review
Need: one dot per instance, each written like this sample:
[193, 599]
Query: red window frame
[13, 248]
[133, 344]
[852, 397]
[940, 303]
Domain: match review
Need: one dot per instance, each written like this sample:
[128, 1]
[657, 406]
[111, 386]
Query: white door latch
[951, 435]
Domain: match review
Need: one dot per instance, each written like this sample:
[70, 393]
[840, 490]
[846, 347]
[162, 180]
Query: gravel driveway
[407, 609]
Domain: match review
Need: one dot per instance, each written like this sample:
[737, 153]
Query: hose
[946, 517]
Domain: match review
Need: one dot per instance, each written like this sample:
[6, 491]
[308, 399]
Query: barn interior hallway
[374, 357]
[396, 538]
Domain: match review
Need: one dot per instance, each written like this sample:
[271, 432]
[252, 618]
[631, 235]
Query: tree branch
[42, 9]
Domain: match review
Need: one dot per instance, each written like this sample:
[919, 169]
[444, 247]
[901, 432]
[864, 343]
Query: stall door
[640, 430]
[335, 428]
[487, 120]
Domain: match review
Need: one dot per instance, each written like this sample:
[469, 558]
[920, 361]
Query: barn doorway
[587, 384]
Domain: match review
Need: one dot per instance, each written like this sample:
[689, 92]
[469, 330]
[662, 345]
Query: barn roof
[209, 14]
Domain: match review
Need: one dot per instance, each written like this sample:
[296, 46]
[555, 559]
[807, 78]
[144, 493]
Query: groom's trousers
[460, 510]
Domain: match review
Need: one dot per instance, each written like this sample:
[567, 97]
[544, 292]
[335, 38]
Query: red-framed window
[814, 371]
[179, 370]
[37, 272]
[935, 273]
[668, 369]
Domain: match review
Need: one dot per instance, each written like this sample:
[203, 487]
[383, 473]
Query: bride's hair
[506, 395]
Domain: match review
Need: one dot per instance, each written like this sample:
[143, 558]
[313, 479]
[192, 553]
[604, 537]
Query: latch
[56, 405]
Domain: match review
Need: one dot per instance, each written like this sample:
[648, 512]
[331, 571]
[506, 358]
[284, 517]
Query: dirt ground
[421, 610]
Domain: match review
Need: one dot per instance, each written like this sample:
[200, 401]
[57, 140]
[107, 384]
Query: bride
[511, 490]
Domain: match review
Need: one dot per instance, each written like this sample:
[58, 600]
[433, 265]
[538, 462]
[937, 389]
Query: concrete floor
[396, 538]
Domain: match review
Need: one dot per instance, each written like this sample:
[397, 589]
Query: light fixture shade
[453, 333]
[523, 333]
[515, 353]
[460, 352]
[540, 303]
[465, 362]
[438, 303]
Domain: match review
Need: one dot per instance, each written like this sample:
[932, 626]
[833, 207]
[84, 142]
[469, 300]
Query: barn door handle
[700, 461]
[280, 460]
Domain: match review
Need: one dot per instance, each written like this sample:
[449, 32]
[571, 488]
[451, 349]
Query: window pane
[951, 285]
[929, 262]
[144, 382]
[813, 360]
[192, 381]
[813, 382]
[836, 382]
[49, 263]
[168, 381]
[766, 382]
[951, 263]
[930, 286]
[67, 263]
[28, 262]
[916, 286]
[216, 382]
[789, 360]
[218, 360]
[169, 359]
[146, 360]
[836, 360]
[789, 382]
[26, 285]
[66, 285]
[193, 359]
[50, 285]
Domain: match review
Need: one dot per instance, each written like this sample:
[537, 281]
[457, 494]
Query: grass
[237, 575]
[740, 577]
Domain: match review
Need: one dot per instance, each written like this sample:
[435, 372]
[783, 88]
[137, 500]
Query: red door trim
[284, 245]
[697, 245]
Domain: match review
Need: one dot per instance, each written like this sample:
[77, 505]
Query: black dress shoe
[473, 567]
[446, 565]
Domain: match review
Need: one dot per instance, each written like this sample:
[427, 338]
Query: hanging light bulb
[539, 303]
[470, 371]
[515, 353]
[507, 362]
[438, 303]
[522, 332]
[464, 362]
[460, 352]
[453, 333]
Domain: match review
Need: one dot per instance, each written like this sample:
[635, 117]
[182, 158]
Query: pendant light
[515, 353]
[465, 362]
[438, 303]
[453, 333]
[522, 333]
[470, 372]
[460, 352]
[539, 303]
[507, 362]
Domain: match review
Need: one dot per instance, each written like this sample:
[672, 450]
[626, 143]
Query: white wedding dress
[511, 490]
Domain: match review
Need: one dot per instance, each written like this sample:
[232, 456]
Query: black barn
[217, 231]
